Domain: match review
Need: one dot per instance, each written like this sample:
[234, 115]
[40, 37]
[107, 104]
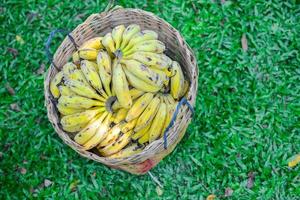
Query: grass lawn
[246, 125]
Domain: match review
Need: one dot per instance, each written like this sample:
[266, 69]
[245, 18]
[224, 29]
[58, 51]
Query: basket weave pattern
[177, 49]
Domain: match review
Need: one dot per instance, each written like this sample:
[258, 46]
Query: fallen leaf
[20, 39]
[159, 191]
[10, 90]
[22, 170]
[79, 16]
[43, 157]
[250, 181]
[47, 183]
[211, 197]
[25, 161]
[31, 16]
[244, 42]
[228, 192]
[73, 185]
[13, 51]
[223, 1]
[293, 161]
[94, 174]
[41, 69]
[15, 107]
[1, 155]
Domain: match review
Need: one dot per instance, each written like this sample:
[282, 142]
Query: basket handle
[48, 42]
[182, 102]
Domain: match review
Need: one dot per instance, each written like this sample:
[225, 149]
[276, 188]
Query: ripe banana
[120, 86]
[129, 150]
[83, 90]
[65, 91]
[109, 43]
[140, 84]
[139, 106]
[141, 132]
[90, 72]
[134, 93]
[148, 114]
[140, 37]
[117, 34]
[154, 46]
[120, 115]
[94, 43]
[73, 129]
[90, 130]
[170, 111]
[54, 84]
[158, 123]
[78, 102]
[100, 133]
[144, 138]
[76, 58]
[163, 75]
[76, 75]
[159, 61]
[112, 135]
[68, 110]
[88, 54]
[143, 72]
[115, 147]
[177, 80]
[129, 126]
[128, 33]
[104, 67]
[185, 89]
[79, 118]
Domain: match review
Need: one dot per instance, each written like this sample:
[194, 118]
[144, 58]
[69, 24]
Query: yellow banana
[158, 123]
[99, 135]
[185, 89]
[115, 147]
[140, 84]
[90, 72]
[130, 150]
[75, 128]
[83, 90]
[143, 72]
[109, 43]
[104, 67]
[120, 115]
[139, 106]
[144, 138]
[65, 91]
[141, 132]
[128, 33]
[154, 46]
[79, 118]
[90, 130]
[54, 84]
[117, 34]
[76, 58]
[129, 126]
[94, 43]
[68, 110]
[88, 53]
[159, 61]
[140, 37]
[112, 135]
[76, 75]
[134, 93]
[78, 102]
[170, 111]
[177, 80]
[148, 114]
[163, 75]
[120, 86]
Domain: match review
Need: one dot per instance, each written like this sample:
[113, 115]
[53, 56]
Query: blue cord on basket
[183, 101]
[48, 42]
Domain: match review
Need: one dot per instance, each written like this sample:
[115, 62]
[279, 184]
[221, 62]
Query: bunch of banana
[119, 92]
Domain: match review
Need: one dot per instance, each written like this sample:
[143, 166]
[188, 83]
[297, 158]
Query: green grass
[247, 111]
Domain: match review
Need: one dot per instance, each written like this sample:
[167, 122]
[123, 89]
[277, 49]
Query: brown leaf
[250, 181]
[79, 16]
[244, 42]
[159, 191]
[228, 192]
[13, 51]
[41, 69]
[223, 1]
[94, 174]
[15, 107]
[293, 161]
[22, 170]
[211, 197]
[47, 183]
[1, 155]
[10, 90]
[25, 161]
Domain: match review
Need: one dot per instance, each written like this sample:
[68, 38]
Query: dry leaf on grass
[20, 39]
[41, 69]
[293, 161]
[47, 183]
[244, 42]
[13, 51]
[159, 191]
[211, 197]
[22, 170]
[228, 192]
[10, 90]
[250, 181]
[15, 107]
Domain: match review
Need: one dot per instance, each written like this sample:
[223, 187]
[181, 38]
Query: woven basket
[177, 49]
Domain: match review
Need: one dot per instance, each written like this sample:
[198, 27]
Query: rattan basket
[177, 49]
